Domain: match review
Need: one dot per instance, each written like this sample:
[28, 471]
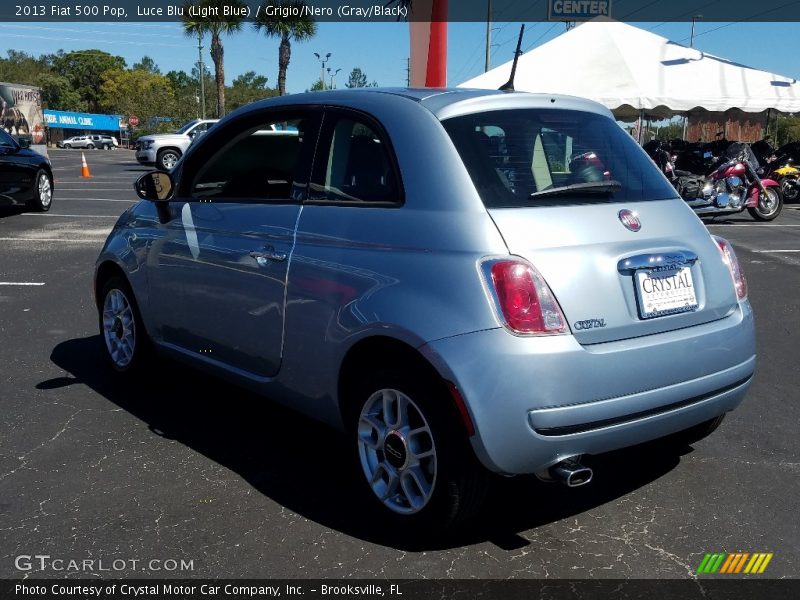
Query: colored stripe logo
[736, 562]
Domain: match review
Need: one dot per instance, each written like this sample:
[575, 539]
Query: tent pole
[641, 125]
[685, 125]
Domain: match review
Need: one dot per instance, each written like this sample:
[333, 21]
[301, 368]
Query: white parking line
[748, 225]
[20, 283]
[18, 239]
[775, 251]
[96, 200]
[127, 188]
[70, 216]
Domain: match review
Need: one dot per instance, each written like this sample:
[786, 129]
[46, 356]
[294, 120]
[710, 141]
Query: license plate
[662, 293]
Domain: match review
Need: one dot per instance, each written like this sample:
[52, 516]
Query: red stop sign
[133, 120]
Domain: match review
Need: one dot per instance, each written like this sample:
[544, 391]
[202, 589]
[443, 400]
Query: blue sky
[381, 49]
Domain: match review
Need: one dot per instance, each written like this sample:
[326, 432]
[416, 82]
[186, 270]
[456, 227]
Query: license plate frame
[674, 293]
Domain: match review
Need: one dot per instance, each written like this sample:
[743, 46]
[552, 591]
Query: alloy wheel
[397, 451]
[45, 190]
[119, 328]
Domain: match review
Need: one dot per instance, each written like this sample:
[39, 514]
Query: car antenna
[508, 86]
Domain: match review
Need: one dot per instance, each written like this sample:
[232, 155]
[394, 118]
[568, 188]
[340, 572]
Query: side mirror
[24, 142]
[156, 186]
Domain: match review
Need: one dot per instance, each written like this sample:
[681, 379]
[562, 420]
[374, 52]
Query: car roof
[442, 102]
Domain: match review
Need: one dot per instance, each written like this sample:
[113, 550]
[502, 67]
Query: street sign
[133, 120]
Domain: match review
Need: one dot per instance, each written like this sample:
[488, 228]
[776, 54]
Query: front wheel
[90, 146]
[415, 458]
[67, 146]
[43, 193]
[167, 159]
[770, 204]
[121, 326]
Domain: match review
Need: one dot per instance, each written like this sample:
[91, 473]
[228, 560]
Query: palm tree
[195, 23]
[298, 28]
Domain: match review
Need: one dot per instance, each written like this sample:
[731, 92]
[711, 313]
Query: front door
[218, 274]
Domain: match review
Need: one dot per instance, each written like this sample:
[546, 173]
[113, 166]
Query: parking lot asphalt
[179, 466]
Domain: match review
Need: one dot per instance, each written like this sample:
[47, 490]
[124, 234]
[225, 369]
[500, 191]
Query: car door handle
[267, 255]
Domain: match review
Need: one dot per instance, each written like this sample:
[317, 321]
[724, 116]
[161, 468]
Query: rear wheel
[415, 459]
[43, 193]
[770, 204]
[121, 326]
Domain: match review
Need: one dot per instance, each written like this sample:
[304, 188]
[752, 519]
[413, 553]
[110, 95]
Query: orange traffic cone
[84, 166]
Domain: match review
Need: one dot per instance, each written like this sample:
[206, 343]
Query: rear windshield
[526, 157]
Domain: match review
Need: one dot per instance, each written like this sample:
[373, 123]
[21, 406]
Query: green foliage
[85, 69]
[318, 86]
[147, 64]
[670, 132]
[357, 79]
[787, 130]
[299, 29]
[23, 68]
[136, 92]
[58, 94]
[194, 24]
[248, 88]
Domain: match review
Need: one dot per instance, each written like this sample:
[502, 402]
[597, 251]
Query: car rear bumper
[535, 401]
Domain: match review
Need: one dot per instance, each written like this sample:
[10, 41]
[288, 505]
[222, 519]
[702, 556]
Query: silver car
[464, 281]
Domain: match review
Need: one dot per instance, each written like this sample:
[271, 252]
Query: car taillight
[523, 298]
[730, 260]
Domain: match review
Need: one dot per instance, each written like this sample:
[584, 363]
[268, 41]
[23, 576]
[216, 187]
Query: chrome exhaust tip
[570, 472]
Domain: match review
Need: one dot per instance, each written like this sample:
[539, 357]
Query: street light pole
[323, 60]
[691, 38]
[333, 74]
[488, 33]
[200, 68]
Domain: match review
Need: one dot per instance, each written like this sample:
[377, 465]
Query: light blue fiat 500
[464, 281]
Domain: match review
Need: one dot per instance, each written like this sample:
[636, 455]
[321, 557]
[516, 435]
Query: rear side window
[526, 157]
[355, 164]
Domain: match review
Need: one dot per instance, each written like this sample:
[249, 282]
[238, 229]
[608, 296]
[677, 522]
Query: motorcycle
[783, 170]
[733, 186]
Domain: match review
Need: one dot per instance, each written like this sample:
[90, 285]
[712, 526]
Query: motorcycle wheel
[790, 188]
[770, 204]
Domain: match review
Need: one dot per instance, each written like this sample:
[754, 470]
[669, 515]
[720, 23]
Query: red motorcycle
[732, 187]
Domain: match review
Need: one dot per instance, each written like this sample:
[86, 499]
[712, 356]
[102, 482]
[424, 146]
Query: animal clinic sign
[578, 10]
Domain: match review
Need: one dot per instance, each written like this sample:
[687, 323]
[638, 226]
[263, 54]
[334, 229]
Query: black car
[25, 175]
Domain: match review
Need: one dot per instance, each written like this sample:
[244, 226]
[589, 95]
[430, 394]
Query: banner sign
[578, 10]
[21, 111]
[71, 120]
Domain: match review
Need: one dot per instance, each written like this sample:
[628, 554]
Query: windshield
[521, 157]
[187, 126]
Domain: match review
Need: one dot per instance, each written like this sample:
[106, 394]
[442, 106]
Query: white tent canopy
[631, 71]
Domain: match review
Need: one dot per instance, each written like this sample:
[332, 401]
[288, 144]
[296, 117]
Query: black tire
[790, 188]
[90, 146]
[43, 192]
[768, 211]
[140, 349]
[67, 146]
[687, 437]
[459, 481]
[167, 158]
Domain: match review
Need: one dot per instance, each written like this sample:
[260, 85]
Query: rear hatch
[575, 195]
[613, 283]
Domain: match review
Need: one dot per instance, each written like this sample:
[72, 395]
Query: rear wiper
[592, 187]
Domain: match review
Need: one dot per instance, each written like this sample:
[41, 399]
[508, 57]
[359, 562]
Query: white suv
[163, 150]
